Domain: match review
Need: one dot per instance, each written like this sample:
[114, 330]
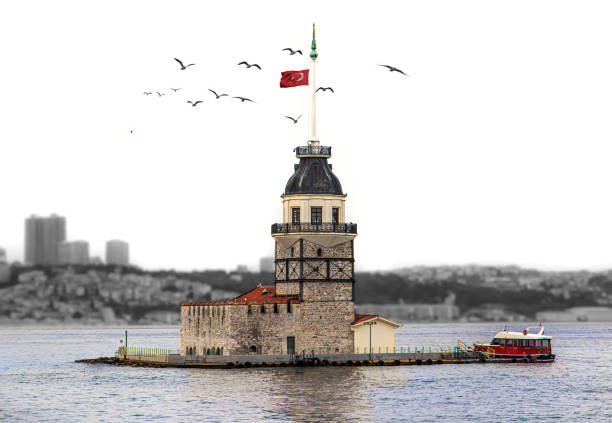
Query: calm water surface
[39, 381]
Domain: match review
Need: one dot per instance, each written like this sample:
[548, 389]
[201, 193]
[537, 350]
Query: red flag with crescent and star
[294, 78]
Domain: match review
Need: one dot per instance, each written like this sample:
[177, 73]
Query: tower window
[292, 251]
[249, 310]
[295, 215]
[263, 308]
[319, 252]
[275, 308]
[316, 215]
[288, 307]
[335, 215]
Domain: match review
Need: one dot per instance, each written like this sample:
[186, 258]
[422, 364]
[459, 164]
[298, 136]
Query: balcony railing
[313, 150]
[341, 228]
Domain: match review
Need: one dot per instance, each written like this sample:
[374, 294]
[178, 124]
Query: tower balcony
[313, 150]
[338, 228]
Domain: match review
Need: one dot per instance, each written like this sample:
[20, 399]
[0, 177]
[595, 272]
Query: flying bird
[249, 66]
[193, 104]
[175, 89]
[294, 119]
[243, 99]
[325, 89]
[147, 93]
[218, 95]
[291, 51]
[159, 94]
[393, 69]
[183, 67]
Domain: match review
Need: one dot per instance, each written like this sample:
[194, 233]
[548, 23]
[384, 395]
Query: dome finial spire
[313, 45]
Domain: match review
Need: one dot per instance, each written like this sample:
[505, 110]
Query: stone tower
[314, 256]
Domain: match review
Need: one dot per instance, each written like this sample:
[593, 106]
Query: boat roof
[532, 333]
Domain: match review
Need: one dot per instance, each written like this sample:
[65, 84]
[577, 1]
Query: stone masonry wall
[287, 288]
[343, 250]
[327, 291]
[325, 327]
[205, 327]
[267, 331]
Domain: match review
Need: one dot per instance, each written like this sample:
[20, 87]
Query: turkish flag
[294, 78]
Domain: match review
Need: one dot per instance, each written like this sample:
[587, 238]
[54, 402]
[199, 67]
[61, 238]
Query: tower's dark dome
[313, 175]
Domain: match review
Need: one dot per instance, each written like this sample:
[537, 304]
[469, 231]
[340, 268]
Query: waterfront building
[310, 308]
[42, 238]
[74, 252]
[266, 264]
[117, 253]
[375, 332]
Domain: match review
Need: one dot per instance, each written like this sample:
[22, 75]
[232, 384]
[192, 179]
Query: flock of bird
[247, 65]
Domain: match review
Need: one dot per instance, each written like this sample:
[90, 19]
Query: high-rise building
[74, 252]
[2, 255]
[117, 253]
[42, 238]
[266, 264]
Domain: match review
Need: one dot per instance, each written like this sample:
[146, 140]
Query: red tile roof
[359, 318]
[259, 295]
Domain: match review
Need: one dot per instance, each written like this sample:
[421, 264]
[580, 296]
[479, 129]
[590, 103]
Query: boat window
[531, 342]
[515, 342]
[538, 343]
[495, 341]
[546, 343]
[523, 342]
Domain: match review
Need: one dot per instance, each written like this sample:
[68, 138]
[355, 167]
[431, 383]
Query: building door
[291, 345]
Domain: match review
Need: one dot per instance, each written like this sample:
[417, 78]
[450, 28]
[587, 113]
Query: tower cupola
[313, 175]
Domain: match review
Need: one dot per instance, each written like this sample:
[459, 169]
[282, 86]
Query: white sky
[496, 150]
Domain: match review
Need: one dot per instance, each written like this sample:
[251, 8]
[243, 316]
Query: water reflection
[334, 394]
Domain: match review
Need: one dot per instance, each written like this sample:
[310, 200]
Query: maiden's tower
[310, 307]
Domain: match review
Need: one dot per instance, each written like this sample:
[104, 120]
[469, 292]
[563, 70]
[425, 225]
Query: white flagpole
[313, 103]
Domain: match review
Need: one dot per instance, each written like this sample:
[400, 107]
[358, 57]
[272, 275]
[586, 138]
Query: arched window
[263, 308]
[288, 307]
[218, 351]
[292, 251]
[275, 308]
[252, 348]
[207, 351]
[319, 252]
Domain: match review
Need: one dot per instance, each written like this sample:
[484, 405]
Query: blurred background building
[43, 236]
[117, 252]
[5, 268]
[74, 252]
[266, 264]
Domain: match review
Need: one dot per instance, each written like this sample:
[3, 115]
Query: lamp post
[370, 323]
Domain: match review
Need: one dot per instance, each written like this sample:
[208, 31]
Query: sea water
[39, 381]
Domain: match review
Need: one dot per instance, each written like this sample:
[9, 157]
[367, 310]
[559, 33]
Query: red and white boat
[531, 344]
